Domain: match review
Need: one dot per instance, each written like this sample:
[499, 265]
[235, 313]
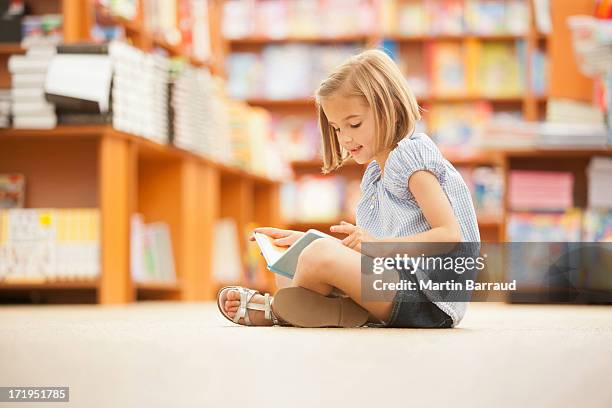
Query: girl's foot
[256, 310]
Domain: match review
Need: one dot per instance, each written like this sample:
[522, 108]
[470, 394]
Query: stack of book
[600, 183]
[151, 257]
[5, 108]
[200, 117]
[41, 245]
[44, 29]
[140, 92]
[573, 124]
[30, 108]
[508, 130]
[541, 190]
[254, 147]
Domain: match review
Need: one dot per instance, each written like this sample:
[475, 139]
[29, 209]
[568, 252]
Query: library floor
[185, 355]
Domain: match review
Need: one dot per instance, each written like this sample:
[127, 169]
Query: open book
[283, 260]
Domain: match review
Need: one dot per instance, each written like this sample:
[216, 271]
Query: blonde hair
[373, 76]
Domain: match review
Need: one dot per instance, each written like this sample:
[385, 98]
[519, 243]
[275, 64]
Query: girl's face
[353, 121]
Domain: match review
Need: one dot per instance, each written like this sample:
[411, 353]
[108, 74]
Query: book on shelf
[447, 68]
[80, 81]
[227, 263]
[5, 108]
[545, 227]
[45, 245]
[540, 190]
[151, 255]
[30, 108]
[12, 190]
[599, 182]
[297, 19]
[448, 15]
[283, 260]
[542, 14]
[486, 185]
[140, 92]
[491, 17]
[597, 225]
[412, 18]
[105, 27]
[283, 71]
[459, 128]
[498, 71]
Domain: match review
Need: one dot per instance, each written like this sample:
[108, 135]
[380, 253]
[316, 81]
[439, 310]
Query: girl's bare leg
[322, 266]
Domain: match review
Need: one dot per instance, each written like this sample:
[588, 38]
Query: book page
[270, 251]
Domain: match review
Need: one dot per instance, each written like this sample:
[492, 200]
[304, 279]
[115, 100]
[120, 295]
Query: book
[12, 190]
[599, 182]
[597, 225]
[282, 260]
[80, 81]
[151, 256]
[447, 68]
[39, 245]
[227, 263]
[541, 190]
[545, 227]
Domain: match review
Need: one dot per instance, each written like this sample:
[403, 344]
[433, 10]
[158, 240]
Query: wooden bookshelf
[121, 174]
[102, 168]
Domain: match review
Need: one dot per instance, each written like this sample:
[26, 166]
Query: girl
[410, 194]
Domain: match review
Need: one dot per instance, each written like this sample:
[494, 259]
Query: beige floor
[185, 355]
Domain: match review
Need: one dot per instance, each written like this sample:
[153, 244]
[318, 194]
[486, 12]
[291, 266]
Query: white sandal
[245, 303]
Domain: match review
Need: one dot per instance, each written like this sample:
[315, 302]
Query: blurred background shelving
[488, 82]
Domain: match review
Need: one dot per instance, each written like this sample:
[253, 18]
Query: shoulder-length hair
[373, 76]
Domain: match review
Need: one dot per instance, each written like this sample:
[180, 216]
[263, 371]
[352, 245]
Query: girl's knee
[317, 255]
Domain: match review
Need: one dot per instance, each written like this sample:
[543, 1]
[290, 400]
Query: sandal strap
[245, 298]
[245, 303]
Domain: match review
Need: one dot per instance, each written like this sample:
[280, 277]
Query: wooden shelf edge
[158, 286]
[11, 48]
[310, 102]
[149, 149]
[48, 285]
[262, 40]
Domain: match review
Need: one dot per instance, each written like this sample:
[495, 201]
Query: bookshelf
[120, 174]
[100, 167]
[564, 80]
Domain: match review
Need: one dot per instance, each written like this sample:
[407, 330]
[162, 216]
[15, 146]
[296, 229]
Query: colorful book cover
[545, 227]
[447, 67]
[12, 190]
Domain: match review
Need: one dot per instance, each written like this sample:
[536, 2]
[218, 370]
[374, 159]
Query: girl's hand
[356, 235]
[283, 238]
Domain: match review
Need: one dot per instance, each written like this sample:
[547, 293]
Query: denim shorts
[412, 308]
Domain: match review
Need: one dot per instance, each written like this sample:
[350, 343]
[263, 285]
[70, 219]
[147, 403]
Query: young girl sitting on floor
[409, 194]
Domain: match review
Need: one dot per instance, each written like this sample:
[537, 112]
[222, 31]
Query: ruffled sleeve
[370, 175]
[412, 154]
